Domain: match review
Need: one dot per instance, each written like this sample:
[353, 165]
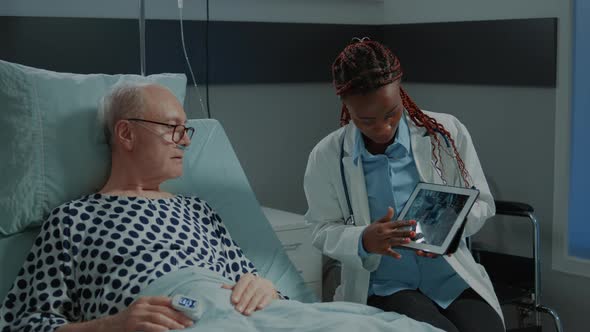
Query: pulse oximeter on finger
[189, 306]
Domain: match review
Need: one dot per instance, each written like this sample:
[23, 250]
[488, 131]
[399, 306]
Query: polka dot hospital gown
[95, 254]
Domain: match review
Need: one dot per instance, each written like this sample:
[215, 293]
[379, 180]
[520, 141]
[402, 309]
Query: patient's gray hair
[124, 101]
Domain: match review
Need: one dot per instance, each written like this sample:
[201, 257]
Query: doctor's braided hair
[363, 67]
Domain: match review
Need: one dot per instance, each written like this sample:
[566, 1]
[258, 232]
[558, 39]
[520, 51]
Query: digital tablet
[440, 212]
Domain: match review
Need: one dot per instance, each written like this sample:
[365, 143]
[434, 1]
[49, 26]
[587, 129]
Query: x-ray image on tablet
[440, 213]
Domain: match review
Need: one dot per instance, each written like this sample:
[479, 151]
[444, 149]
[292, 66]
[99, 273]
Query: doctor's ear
[344, 115]
[123, 134]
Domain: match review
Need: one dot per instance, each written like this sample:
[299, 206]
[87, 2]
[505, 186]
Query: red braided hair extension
[365, 66]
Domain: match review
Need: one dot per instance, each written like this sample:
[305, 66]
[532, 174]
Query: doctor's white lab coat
[328, 208]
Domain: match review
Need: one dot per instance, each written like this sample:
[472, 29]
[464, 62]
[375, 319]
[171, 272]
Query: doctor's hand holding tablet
[431, 222]
[384, 234]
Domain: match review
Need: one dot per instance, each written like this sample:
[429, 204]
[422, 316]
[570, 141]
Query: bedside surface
[282, 220]
[295, 236]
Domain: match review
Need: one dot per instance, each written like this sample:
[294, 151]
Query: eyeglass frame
[190, 131]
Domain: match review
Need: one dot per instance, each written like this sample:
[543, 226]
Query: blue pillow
[52, 148]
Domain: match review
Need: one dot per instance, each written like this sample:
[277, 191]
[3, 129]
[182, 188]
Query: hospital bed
[54, 151]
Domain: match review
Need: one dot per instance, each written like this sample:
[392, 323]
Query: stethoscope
[350, 220]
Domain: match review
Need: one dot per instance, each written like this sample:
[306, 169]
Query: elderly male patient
[95, 254]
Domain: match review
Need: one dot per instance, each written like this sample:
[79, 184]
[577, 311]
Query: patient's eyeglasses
[178, 131]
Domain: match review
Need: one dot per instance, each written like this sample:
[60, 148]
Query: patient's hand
[147, 314]
[152, 313]
[252, 293]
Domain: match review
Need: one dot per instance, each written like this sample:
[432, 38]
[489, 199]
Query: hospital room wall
[301, 11]
[515, 130]
[273, 127]
[261, 119]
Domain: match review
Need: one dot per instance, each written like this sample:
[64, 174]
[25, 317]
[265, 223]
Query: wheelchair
[517, 280]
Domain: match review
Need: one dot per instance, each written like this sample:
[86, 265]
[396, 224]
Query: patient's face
[377, 114]
[158, 156]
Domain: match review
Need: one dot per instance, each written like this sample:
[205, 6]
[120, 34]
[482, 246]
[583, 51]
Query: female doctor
[360, 176]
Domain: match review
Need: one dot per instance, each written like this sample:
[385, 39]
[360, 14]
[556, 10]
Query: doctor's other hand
[252, 293]
[423, 253]
[382, 234]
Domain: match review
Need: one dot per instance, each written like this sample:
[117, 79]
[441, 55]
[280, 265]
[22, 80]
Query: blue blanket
[281, 315]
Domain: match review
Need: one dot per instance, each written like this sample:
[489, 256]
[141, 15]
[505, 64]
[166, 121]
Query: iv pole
[142, 36]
